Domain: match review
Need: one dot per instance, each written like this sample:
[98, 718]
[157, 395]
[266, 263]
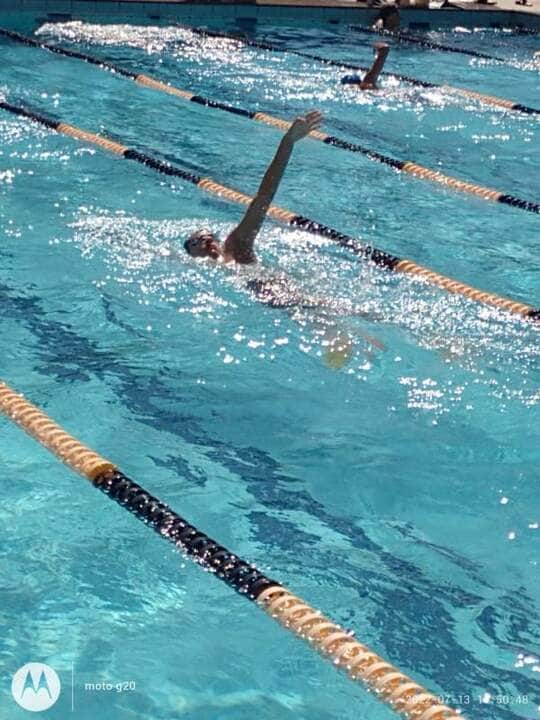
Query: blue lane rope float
[402, 694]
[480, 97]
[419, 171]
[367, 252]
[404, 37]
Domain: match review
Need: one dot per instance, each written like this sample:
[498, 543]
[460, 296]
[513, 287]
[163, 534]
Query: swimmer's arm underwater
[239, 244]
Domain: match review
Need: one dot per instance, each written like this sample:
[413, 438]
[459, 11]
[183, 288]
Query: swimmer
[388, 18]
[239, 244]
[237, 250]
[369, 81]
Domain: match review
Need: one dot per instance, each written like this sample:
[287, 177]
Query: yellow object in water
[339, 348]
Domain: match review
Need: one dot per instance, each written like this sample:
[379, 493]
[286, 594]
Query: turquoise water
[399, 494]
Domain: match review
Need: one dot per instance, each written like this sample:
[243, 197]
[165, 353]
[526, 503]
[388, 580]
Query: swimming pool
[397, 494]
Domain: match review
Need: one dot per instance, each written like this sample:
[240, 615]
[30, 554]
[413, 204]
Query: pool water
[398, 494]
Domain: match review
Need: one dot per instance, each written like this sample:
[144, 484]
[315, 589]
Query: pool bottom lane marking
[378, 257]
[334, 643]
[409, 167]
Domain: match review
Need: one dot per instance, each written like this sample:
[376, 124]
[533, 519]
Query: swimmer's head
[203, 244]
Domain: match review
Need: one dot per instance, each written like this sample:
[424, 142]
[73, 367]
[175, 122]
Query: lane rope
[481, 97]
[404, 37]
[367, 252]
[419, 171]
[402, 694]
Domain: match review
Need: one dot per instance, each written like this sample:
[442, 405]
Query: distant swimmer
[237, 251]
[388, 17]
[369, 81]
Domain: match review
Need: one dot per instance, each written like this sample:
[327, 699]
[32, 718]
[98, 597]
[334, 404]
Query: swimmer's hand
[302, 126]
[379, 46]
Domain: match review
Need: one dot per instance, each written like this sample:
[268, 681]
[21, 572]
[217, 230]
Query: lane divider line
[481, 97]
[402, 694]
[367, 252]
[401, 36]
[409, 167]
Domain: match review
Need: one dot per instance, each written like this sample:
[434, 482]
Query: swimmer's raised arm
[370, 79]
[239, 244]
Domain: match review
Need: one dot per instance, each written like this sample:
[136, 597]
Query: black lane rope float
[367, 252]
[406, 166]
[480, 97]
[524, 31]
[401, 36]
[402, 694]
